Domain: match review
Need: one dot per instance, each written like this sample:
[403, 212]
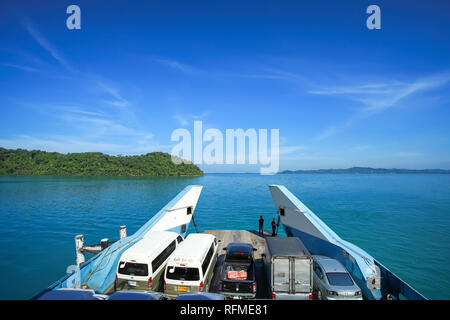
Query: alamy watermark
[73, 22]
[231, 150]
[374, 20]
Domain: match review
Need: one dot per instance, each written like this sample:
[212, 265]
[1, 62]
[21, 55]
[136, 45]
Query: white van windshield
[133, 269]
[183, 273]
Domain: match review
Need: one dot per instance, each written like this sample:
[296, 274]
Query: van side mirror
[224, 249]
[254, 249]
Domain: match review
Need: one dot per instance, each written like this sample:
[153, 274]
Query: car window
[183, 273]
[133, 269]
[239, 254]
[339, 279]
[207, 260]
[318, 270]
[163, 256]
[238, 257]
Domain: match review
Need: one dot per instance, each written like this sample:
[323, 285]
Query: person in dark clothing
[261, 224]
[274, 227]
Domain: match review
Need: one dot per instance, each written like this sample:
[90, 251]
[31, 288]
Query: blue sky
[340, 94]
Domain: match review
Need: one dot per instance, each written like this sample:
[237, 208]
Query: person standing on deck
[261, 224]
[274, 227]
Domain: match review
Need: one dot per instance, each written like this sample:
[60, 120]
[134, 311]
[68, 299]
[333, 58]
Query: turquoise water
[401, 220]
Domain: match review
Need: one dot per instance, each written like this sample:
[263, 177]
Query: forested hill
[23, 162]
[365, 170]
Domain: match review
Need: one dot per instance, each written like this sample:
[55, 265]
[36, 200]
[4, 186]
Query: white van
[141, 266]
[190, 268]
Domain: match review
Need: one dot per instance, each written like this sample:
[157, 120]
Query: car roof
[328, 264]
[286, 246]
[134, 295]
[68, 294]
[147, 246]
[193, 247]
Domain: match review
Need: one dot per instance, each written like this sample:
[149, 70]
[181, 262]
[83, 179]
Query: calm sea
[400, 219]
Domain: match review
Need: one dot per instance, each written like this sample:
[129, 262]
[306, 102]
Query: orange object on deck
[237, 275]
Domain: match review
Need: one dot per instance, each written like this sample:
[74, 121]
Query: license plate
[132, 283]
[182, 288]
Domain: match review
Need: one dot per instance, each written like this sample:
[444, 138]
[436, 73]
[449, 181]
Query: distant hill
[369, 170]
[23, 162]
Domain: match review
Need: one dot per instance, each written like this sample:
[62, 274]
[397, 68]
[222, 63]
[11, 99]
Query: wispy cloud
[290, 149]
[381, 96]
[377, 97]
[392, 98]
[271, 73]
[78, 110]
[84, 127]
[328, 132]
[63, 144]
[181, 120]
[100, 125]
[18, 66]
[176, 65]
[46, 45]
[117, 99]
[70, 144]
[186, 119]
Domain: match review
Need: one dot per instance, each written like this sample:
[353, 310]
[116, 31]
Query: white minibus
[190, 268]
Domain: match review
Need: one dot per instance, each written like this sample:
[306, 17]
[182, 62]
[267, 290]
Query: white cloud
[181, 120]
[118, 100]
[96, 123]
[62, 144]
[69, 144]
[381, 96]
[377, 97]
[45, 44]
[186, 119]
[18, 66]
[328, 132]
[174, 64]
[290, 149]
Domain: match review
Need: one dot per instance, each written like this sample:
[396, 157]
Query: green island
[36, 162]
[366, 170]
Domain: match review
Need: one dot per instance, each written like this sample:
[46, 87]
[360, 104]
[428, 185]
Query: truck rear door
[291, 275]
[302, 275]
[281, 275]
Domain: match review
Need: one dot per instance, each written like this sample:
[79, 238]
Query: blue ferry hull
[375, 280]
[98, 273]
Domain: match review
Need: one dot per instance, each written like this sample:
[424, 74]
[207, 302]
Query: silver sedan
[332, 281]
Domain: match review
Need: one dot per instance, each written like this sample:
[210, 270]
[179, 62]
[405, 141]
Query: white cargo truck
[288, 268]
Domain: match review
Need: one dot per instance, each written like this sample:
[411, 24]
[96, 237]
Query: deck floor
[245, 236]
